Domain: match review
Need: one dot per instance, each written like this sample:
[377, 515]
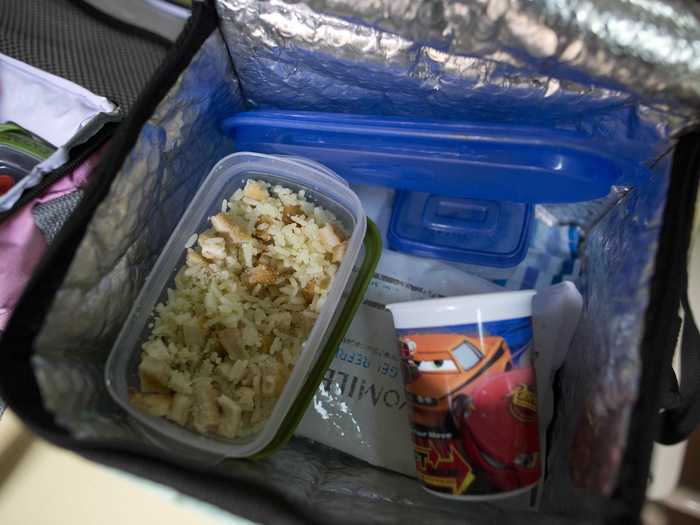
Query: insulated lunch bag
[576, 124]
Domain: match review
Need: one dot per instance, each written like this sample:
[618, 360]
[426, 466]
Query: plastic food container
[324, 188]
[20, 151]
[488, 233]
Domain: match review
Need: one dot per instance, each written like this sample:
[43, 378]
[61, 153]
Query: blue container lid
[465, 191]
[496, 162]
[487, 233]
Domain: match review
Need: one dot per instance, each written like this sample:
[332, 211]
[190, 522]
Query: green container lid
[372, 252]
[21, 140]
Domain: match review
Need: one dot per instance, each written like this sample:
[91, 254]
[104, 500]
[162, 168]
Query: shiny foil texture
[531, 61]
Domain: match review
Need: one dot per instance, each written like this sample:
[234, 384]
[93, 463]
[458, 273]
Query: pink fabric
[22, 244]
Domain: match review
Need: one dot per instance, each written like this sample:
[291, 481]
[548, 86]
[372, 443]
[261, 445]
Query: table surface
[40, 484]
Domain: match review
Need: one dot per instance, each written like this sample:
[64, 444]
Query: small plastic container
[15, 164]
[20, 151]
[487, 233]
[322, 187]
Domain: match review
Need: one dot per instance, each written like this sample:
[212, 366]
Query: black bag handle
[681, 414]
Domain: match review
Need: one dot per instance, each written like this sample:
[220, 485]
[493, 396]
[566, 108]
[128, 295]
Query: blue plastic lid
[487, 233]
[501, 163]
[465, 190]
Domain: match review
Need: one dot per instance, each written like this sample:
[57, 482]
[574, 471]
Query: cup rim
[463, 309]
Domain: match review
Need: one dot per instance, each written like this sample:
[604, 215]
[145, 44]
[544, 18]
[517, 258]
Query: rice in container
[324, 188]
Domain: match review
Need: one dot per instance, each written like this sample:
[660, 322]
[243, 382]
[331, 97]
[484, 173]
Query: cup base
[483, 497]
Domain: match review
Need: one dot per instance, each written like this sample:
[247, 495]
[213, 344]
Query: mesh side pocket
[63, 38]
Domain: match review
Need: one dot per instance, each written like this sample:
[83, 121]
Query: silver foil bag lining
[647, 47]
[598, 64]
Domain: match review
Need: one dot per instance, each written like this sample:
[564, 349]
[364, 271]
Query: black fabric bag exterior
[661, 332]
[75, 41]
[19, 388]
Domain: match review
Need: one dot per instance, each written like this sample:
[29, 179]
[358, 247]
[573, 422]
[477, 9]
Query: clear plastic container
[14, 165]
[324, 188]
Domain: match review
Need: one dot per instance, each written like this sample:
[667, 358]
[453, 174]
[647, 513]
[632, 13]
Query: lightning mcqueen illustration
[442, 369]
[455, 381]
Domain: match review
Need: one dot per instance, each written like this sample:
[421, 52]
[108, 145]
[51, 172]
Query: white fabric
[53, 108]
[50, 106]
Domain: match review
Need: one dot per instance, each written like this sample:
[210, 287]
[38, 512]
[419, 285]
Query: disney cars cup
[469, 376]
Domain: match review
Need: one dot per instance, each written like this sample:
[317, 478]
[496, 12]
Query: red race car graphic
[442, 470]
[441, 368]
[499, 430]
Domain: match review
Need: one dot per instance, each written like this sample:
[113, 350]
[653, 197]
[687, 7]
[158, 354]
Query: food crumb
[190, 242]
